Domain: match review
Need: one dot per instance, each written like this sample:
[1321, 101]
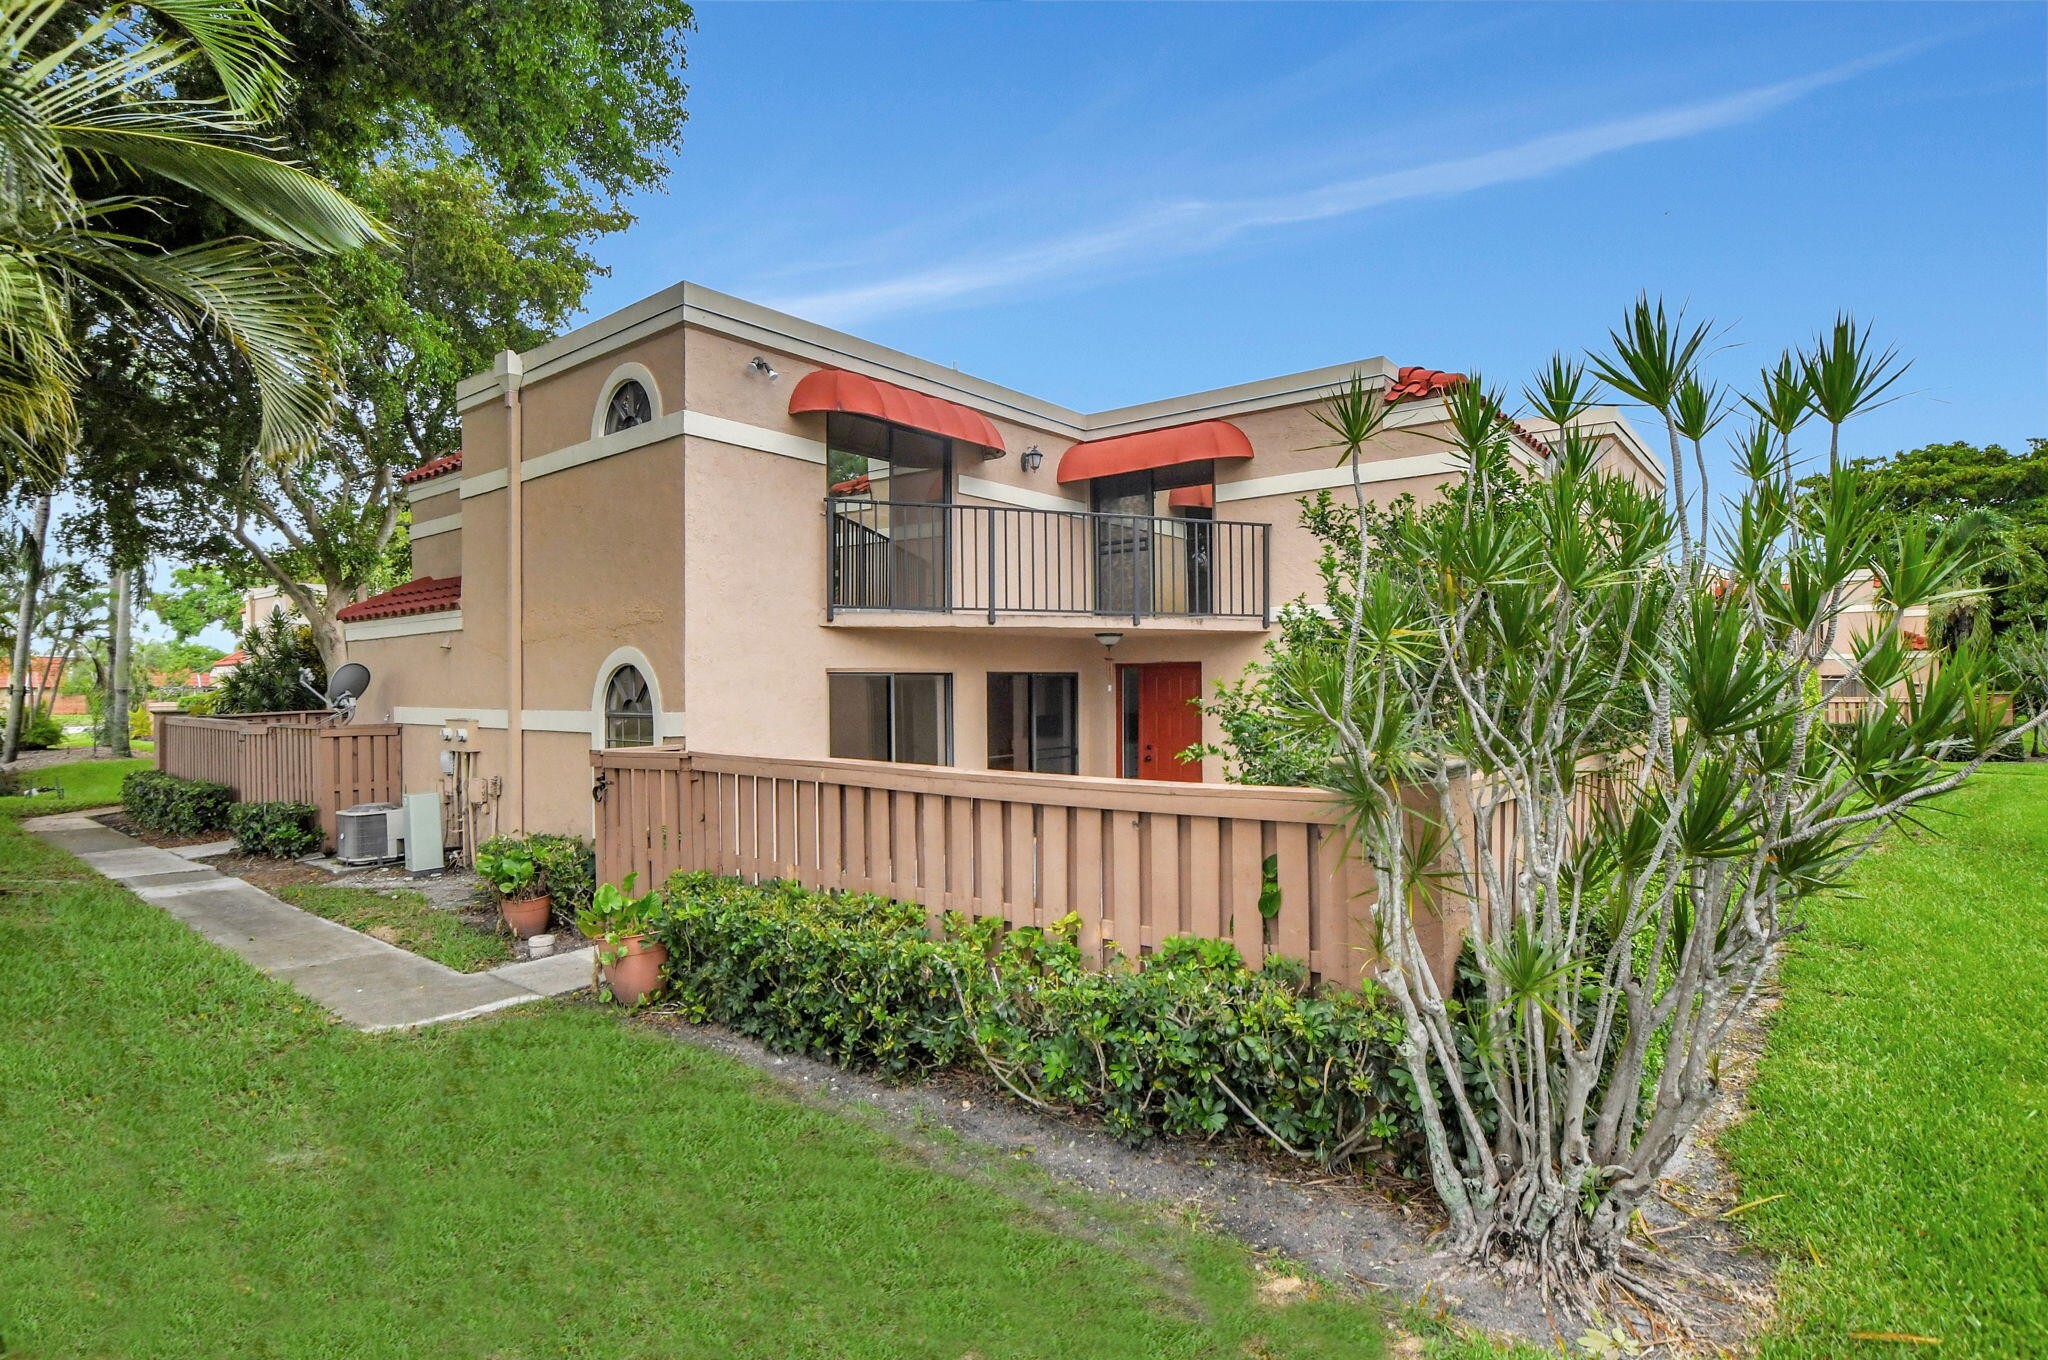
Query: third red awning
[834, 389]
[1202, 442]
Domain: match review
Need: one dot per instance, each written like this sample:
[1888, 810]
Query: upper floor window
[628, 407]
[628, 709]
[869, 457]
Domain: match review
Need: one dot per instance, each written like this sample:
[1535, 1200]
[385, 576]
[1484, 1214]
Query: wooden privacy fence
[301, 757]
[1135, 862]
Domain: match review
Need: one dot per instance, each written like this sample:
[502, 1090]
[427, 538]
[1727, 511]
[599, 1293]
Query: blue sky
[1105, 204]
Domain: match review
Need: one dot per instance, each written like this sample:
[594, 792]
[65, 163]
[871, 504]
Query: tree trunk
[119, 683]
[327, 631]
[32, 546]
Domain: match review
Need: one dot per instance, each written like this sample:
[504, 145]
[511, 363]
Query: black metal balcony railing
[999, 559]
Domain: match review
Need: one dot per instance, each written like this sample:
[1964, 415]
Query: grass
[195, 1162]
[406, 919]
[85, 784]
[1899, 1108]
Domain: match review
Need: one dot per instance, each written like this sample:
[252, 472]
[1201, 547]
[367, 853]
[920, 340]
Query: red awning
[1197, 443]
[834, 389]
[1201, 497]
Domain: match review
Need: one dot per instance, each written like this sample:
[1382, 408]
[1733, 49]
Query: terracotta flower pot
[637, 971]
[528, 916]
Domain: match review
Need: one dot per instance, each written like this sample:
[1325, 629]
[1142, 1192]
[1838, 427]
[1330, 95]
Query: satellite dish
[347, 684]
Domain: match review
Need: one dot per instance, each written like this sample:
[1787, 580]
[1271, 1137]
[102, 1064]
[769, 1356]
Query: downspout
[510, 373]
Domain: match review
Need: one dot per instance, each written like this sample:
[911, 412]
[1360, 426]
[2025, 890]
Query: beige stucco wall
[701, 557]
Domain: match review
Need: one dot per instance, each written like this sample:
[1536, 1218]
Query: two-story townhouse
[699, 520]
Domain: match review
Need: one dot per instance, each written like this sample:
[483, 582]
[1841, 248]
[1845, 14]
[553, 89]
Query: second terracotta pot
[528, 916]
[637, 970]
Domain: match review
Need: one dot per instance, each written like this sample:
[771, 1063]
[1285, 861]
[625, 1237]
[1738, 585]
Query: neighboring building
[45, 674]
[1861, 616]
[209, 677]
[260, 602]
[698, 519]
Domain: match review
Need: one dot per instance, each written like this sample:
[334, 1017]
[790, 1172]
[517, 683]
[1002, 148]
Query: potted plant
[618, 921]
[522, 901]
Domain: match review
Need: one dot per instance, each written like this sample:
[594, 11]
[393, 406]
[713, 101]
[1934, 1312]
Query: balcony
[933, 563]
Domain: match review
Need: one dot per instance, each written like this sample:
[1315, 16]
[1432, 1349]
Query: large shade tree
[2005, 494]
[1570, 709]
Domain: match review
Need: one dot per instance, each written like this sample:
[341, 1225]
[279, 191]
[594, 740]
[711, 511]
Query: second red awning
[835, 389]
[1202, 442]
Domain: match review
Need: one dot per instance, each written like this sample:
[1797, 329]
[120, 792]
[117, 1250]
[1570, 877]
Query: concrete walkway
[364, 981]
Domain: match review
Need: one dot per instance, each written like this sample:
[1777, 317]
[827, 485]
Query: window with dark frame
[628, 709]
[628, 407]
[1034, 721]
[904, 716]
[869, 457]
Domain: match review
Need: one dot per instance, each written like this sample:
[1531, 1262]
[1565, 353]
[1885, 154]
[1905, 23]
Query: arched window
[628, 407]
[628, 709]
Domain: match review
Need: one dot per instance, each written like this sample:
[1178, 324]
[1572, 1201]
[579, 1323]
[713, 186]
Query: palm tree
[84, 109]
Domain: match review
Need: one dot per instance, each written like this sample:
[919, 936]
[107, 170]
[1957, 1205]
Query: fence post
[327, 782]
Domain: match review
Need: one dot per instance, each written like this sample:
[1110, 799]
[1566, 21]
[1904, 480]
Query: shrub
[565, 865]
[141, 725]
[39, 732]
[1188, 1041]
[176, 807]
[199, 705]
[1191, 1041]
[280, 830]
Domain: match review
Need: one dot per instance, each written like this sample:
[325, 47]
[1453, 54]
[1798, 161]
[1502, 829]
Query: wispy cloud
[1195, 226]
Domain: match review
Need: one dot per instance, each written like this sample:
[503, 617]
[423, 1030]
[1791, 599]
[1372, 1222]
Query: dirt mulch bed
[127, 826]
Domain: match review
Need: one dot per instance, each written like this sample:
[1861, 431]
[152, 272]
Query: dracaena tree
[1571, 718]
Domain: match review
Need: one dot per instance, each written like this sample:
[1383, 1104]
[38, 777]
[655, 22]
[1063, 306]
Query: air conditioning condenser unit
[369, 833]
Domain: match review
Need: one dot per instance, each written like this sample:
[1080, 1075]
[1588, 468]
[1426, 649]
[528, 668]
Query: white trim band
[1322, 479]
[702, 425]
[1023, 496]
[440, 717]
[444, 524]
[446, 621]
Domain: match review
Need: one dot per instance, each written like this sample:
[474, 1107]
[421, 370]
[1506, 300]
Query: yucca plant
[1615, 734]
[87, 106]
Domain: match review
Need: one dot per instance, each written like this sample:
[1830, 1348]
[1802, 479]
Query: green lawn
[1900, 1107]
[194, 1162]
[406, 919]
[86, 784]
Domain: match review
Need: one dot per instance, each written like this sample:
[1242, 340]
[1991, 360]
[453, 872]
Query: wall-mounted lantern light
[1033, 459]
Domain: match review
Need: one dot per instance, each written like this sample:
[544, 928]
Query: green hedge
[1188, 1041]
[173, 806]
[280, 830]
[851, 979]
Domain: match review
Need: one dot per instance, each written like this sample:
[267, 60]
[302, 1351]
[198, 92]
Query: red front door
[1157, 720]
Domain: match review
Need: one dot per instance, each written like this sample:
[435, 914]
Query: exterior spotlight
[1109, 639]
[761, 366]
[1032, 460]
